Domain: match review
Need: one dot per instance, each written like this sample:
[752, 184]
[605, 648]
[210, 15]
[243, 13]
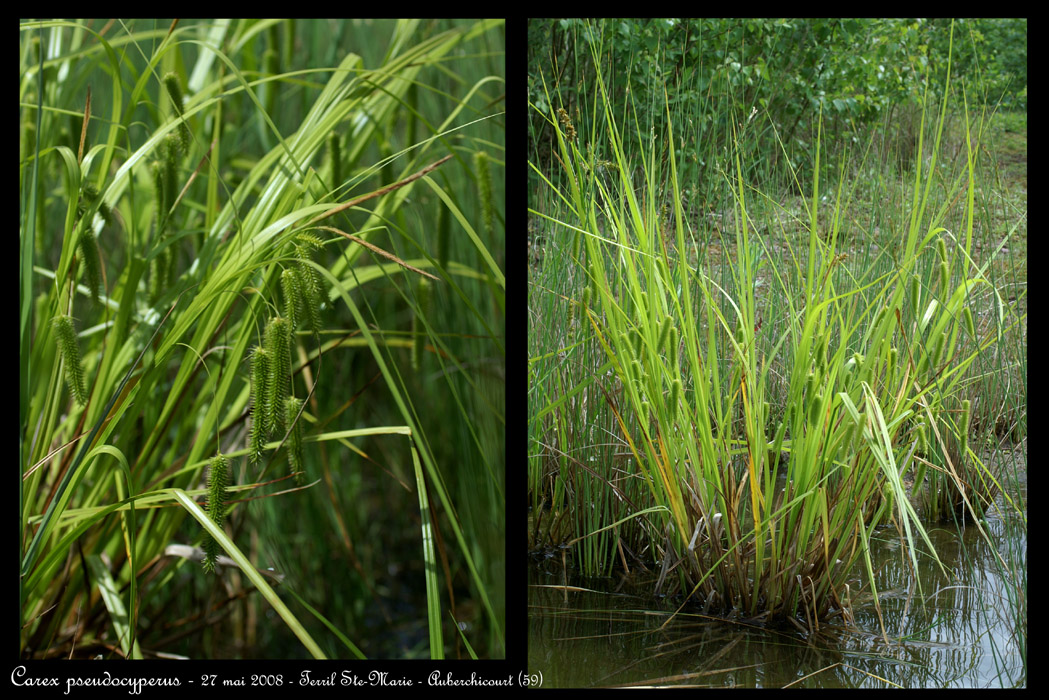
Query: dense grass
[762, 365]
[197, 197]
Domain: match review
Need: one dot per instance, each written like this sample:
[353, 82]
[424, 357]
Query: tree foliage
[855, 71]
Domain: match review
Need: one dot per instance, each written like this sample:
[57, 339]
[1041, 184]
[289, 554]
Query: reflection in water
[958, 630]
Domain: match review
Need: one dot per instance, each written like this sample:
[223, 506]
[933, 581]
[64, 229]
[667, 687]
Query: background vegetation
[853, 73]
[178, 182]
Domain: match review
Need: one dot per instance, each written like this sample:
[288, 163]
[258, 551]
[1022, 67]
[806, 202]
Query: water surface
[962, 628]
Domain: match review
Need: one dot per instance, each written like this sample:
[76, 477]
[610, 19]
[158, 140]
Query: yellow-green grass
[186, 186]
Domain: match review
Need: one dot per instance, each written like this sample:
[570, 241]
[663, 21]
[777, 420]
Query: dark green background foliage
[857, 72]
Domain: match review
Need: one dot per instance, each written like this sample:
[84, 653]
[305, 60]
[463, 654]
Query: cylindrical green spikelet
[675, 394]
[309, 280]
[260, 367]
[821, 353]
[923, 440]
[673, 345]
[92, 262]
[945, 277]
[174, 89]
[892, 363]
[846, 442]
[810, 386]
[636, 341]
[635, 371]
[69, 351]
[625, 346]
[90, 198]
[106, 212]
[816, 410]
[278, 345]
[967, 315]
[171, 84]
[218, 483]
[289, 283]
[966, 415]
[941, 247]
[158, 268]
[939, 342]
[306, 244]
[295, 462]
[664, 333]
[88, 195]
[919, 476]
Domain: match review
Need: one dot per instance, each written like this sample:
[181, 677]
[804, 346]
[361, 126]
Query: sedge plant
[223, 227]
[752, 506]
